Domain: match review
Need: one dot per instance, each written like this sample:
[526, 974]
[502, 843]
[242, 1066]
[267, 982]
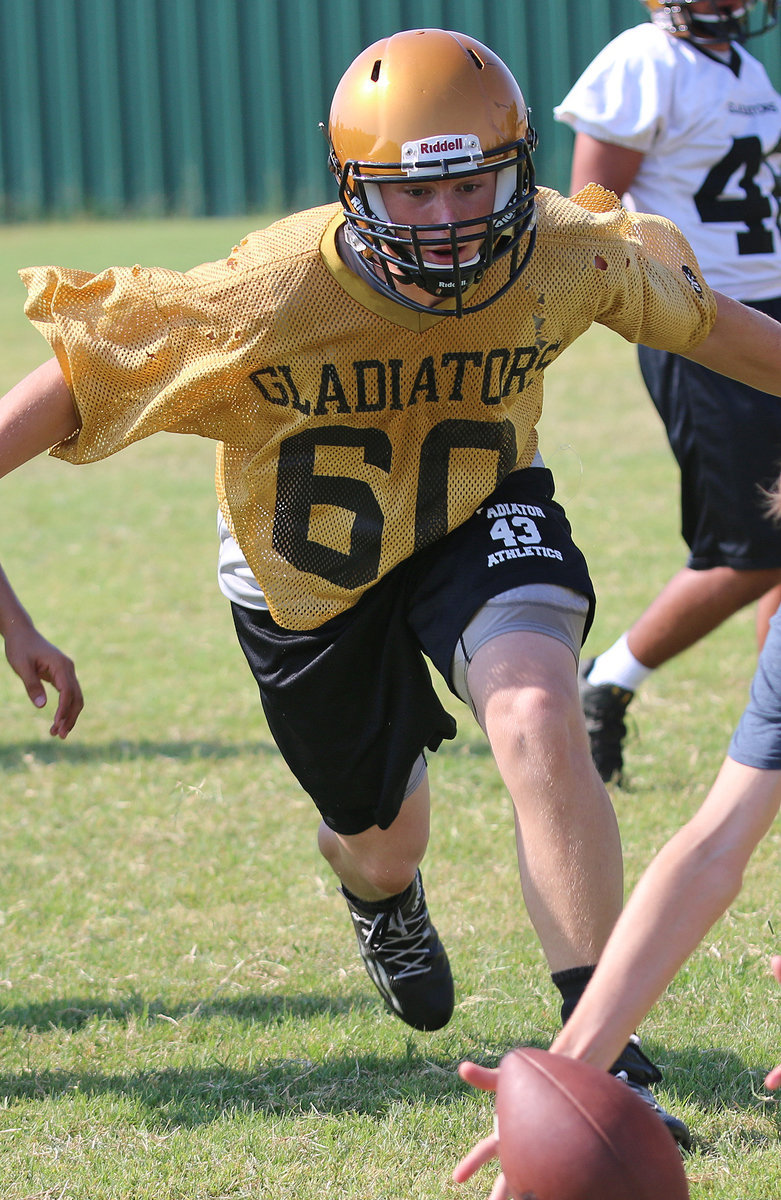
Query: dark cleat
[404, 957]
[604, 706]
[638, 1073]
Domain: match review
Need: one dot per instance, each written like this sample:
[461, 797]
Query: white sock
[618, 665]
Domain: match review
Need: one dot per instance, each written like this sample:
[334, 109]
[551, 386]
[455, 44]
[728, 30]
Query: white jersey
[705, 128]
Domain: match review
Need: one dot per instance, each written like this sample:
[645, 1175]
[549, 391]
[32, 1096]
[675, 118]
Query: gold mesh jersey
[351, 431]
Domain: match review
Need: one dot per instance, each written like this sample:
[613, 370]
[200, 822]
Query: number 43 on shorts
[517, 530]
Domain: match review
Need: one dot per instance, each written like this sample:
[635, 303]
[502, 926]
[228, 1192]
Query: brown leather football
[569, 1131]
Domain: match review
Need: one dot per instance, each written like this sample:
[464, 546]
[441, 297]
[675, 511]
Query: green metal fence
[212, 106]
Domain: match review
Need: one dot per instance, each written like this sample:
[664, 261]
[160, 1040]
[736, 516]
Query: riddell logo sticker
[442, 149]
[442, 146]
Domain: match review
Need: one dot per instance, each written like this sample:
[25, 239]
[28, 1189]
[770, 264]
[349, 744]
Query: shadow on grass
[363, 1083]
[367, 1084]
[718, 1081]
[711, 1078]
[18, 754]
[73, 1013]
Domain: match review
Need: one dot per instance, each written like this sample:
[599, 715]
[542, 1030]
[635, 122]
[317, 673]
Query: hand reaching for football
[617, 1147]
[486, 1079]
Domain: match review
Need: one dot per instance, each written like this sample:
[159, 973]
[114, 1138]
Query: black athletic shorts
[726, 438]
[351, 704]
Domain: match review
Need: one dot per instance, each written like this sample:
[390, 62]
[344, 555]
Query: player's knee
[536, 721]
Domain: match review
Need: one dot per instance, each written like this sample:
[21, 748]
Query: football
[569, 1131]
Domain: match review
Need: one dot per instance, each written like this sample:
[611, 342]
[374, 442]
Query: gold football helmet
[715, 22]
[422, 105]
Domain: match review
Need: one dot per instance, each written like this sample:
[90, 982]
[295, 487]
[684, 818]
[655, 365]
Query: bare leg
[691, 605]
[524, 687]
[379, 863]
[399, 945]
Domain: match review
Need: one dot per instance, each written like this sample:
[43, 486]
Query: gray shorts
[757, 740]
[545, 608]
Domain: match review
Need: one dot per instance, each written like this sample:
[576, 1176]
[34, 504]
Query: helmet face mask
[716, 22]
[400, 250]
[387, 127]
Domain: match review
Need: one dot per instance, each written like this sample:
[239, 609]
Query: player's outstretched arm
[37, 661]
[744, 344]
[686, 888]
[37, 413]
[683, 892]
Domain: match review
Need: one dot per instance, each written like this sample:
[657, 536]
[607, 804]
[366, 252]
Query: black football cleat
[638, 1073]
[604, 706]
[404, 957]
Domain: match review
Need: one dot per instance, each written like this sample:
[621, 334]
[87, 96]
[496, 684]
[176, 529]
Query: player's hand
[484, 1078]
[36, 662]
[773, 1079]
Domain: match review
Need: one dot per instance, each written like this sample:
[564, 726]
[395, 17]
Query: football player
[676, 114]
[372, 374]
[37, 661]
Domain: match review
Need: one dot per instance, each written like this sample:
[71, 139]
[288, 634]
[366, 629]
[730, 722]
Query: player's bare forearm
[35, 414]
[682, 893]
[744, 344]
[11, 610]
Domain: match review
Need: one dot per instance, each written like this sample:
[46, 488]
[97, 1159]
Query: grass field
[182, 1009]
